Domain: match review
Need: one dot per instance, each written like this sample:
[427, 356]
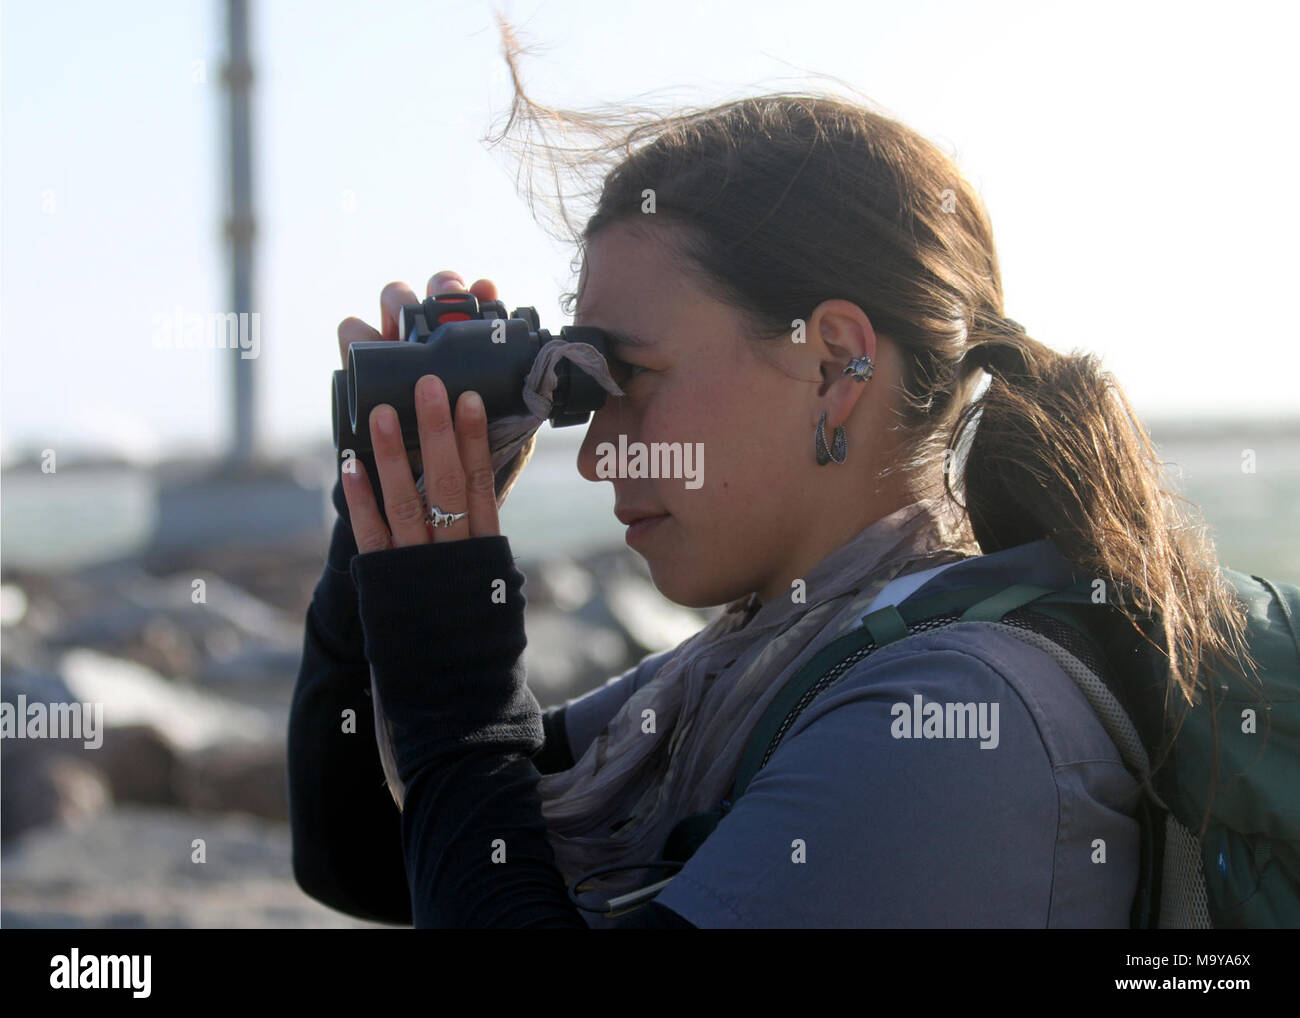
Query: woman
[808, 292]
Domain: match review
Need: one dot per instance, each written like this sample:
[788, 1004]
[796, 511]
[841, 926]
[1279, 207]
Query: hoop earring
[839, 450]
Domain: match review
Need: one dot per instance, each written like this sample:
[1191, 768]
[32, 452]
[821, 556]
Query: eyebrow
[624, 339]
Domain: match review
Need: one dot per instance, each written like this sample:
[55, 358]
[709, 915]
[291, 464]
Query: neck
[834, 534]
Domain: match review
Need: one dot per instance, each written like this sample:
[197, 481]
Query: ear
[840, 331]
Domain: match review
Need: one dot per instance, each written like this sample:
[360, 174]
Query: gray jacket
[954, 779]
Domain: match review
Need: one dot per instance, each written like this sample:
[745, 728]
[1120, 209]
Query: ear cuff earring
[860, 369]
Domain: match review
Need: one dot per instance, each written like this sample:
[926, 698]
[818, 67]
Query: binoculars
[470, 346]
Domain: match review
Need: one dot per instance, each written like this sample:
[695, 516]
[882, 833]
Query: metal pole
[240, 223]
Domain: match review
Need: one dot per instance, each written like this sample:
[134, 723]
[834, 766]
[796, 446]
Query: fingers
[402, 501]
[448, 280]
[391, 299]
[444, 282]
[484, 289]
[394, 295]
[459, 461]
[476, 459]
[444, 477]
[354, 330]
[367, 524]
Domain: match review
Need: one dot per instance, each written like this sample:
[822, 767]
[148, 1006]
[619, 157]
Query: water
[553, 509]
[75, 517]
[1254, 518]
[95, 514]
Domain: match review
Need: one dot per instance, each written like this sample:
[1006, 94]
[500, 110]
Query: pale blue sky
[1136, 158]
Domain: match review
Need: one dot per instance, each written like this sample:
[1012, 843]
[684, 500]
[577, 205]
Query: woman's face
[740, 514]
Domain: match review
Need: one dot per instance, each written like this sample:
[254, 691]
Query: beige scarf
[622, 798]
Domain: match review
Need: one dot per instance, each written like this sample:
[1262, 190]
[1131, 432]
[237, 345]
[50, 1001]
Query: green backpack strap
[769, 725]
[992, 609]
[689, 834]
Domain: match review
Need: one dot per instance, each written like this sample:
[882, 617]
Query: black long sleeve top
[470, 741]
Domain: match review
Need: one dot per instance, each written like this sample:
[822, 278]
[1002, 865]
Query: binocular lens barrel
[490, 356]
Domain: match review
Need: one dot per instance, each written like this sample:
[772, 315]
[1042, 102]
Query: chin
[691, 590]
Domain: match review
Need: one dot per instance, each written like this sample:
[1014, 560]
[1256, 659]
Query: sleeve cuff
[440, 592]
[334, 599]
[444, 633]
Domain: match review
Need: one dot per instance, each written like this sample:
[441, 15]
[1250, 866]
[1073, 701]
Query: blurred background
[163, 159]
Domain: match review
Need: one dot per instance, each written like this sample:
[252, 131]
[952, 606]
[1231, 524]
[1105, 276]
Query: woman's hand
[457, 461]
[457, 469]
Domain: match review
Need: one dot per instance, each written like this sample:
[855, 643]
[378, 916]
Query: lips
[629, 516]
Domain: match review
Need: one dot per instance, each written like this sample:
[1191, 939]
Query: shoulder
[980, 663]
[939, 782]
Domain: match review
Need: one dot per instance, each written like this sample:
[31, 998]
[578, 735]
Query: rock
[250, 665]
[141, 765]
[156, 621]
[135, 866]
[566, 656]
[37, 684]
[44, 785]
[13, 604]
[189, 719]
[164, 646]
[238, 779]
[558, 583]
[284, 577]
[651, 621]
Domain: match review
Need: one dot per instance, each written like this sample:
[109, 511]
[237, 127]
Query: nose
[605, 426]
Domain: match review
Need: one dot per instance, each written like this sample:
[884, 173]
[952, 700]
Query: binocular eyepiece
[470, 346]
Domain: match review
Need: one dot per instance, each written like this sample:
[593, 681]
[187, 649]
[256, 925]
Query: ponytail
[1058, 452]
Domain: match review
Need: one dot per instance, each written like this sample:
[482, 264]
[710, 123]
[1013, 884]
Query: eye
[622, 372]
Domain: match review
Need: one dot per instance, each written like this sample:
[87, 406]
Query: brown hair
[786, 200]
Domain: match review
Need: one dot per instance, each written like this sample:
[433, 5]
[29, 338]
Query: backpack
[1245, 870]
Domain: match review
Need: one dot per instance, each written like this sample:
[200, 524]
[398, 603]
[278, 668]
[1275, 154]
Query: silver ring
[441, 519]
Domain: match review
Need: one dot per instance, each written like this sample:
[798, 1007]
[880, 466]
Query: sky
[1135, 158]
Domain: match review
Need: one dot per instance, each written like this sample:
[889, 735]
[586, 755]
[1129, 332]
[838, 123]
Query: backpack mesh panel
[1184, 903]
[1091, 673]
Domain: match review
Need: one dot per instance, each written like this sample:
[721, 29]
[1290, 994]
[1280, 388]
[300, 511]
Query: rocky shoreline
[195, 713]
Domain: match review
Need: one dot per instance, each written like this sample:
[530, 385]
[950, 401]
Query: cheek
[665, 410]
[735, 445]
